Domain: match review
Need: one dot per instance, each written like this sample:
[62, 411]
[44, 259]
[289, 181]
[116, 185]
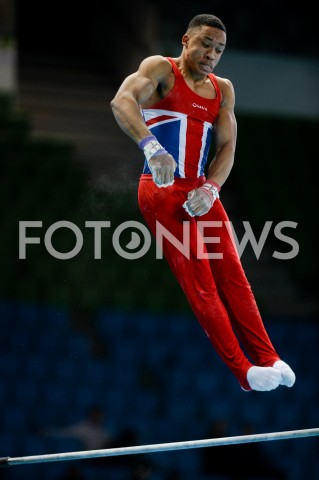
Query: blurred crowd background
[116, 333]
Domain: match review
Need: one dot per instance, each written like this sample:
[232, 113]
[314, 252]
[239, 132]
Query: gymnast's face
[203, 48]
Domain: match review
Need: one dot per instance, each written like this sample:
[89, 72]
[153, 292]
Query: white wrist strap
[153, 148]
[212, 189]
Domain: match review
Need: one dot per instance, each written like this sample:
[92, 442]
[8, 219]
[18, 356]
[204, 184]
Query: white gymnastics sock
[288, 376]
[264, 378]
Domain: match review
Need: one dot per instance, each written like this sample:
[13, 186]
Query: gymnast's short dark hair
[206, 19]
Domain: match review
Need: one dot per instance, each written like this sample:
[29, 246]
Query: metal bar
[161, 447]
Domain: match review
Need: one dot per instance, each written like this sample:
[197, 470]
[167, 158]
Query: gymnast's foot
[264, 379]
[288, 376]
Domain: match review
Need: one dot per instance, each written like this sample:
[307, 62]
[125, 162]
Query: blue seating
[15, 419]
[79, 345]
[6, 313]
[9, 443]
[161, 376]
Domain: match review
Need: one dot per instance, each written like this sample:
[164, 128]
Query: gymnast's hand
[161, 164]
[162, 168]
[200, 200]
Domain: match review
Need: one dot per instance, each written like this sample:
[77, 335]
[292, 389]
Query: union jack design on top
[185, 137]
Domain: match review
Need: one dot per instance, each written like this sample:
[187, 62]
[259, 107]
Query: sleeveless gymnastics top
[182, 123]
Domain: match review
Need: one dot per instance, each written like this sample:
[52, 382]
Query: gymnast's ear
[185, 40]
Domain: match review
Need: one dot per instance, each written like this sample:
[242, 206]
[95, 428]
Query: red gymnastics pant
[217, 289]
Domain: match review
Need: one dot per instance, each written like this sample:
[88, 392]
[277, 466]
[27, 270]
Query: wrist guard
[213, 188]
[151, 147]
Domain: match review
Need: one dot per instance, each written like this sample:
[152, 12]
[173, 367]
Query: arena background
[116, 332]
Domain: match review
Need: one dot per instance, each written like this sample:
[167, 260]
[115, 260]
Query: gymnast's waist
[192, 182]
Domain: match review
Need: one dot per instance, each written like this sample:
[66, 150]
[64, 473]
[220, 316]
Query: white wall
[283, 85]
[8, 69]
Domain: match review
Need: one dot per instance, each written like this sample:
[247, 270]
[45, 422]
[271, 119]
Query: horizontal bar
[161, 447]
